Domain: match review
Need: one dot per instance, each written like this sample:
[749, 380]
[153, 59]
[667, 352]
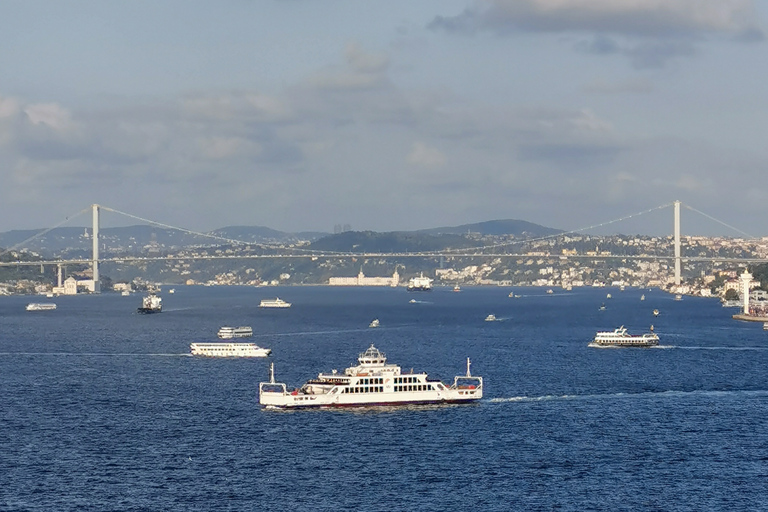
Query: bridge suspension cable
[556, 235]
[45, 231]
[718, 221]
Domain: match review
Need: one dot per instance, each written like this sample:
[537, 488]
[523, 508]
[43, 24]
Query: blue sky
[299, 114]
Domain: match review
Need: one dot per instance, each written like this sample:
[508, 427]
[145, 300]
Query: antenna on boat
[271, 373]
[468, 363]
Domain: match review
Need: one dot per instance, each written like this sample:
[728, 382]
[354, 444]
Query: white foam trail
[89, 354]
[615, 396]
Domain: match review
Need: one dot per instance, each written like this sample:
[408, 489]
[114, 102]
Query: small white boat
[608, 296]
[655, 312]
[125, 293]
[765, 326]
[374, 323]
[490, 318]
[172, 290]
[602, 307]
[511, 295]
[274, 303]
[41, 306]
[678, 297]
[550, 291]
[457, 288]
[412, 301]
[642, 297]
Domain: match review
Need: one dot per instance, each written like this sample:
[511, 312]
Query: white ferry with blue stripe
[372, 382]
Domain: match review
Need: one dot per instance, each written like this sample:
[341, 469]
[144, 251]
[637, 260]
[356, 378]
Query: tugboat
[151, 304]
[371, 382]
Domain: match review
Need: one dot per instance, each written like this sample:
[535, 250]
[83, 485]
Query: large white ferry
[227, 333]
[151, 304]
[420, 284]
[620, 338]
[274, 303]
[228, 350]
[41, 306]
[371, 382]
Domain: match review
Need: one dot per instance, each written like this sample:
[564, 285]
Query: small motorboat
[374, 323]
[490, 318]
[655, 312]
[602, 306]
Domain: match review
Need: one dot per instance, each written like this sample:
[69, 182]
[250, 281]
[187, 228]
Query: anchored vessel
[420, 284]
[228, 350]
[227, 333]
[620, 338]
[41, 306]
[274, 303]
[371, 382]
[151, 304]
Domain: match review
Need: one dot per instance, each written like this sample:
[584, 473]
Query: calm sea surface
[103, 409]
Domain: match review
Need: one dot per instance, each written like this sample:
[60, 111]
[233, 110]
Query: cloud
[422, 155]
[673, 25]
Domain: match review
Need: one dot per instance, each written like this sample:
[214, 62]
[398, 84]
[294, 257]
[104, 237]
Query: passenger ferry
[274, 303]
[227, 333]
[420, 284]
[620, 338]
[41, 306]
[371, 382]
[228, 350]
[151, 304]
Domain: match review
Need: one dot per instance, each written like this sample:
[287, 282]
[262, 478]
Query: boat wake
[89, 354]
[621, 396]
[721, 348]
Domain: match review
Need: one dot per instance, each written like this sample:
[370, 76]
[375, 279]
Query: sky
[300, 115]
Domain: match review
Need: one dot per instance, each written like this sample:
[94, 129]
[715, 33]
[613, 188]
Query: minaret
[677, 245]
[96, 283]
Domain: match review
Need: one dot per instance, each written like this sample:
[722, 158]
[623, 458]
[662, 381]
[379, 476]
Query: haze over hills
[139, 238]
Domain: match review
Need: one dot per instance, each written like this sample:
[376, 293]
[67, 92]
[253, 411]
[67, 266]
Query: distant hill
[143, 238]
[396, 241]
[518, 228]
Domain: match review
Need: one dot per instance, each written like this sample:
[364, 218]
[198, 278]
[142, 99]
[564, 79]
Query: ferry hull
[301, 403]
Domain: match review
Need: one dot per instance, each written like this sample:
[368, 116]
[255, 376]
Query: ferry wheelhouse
[620, 338]
[371, 382]
[228, 350]
[227, 333]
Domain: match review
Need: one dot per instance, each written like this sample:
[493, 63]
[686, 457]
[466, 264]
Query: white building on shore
[362, 280]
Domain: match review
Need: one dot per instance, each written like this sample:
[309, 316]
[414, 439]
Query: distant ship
[227, 333]
[274, 303]
[620, 338]
[374, 323]
[151, 304]
[420, 284]
[41, 306]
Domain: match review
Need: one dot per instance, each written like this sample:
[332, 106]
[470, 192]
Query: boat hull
[148, 311]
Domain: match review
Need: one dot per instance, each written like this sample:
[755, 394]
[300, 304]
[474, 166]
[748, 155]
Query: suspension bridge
[496, 250]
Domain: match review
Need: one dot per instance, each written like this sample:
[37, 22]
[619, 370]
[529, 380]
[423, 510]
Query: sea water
[103, 409]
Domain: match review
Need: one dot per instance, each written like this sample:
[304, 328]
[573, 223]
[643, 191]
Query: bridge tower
[677, 243]
[96, 282]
